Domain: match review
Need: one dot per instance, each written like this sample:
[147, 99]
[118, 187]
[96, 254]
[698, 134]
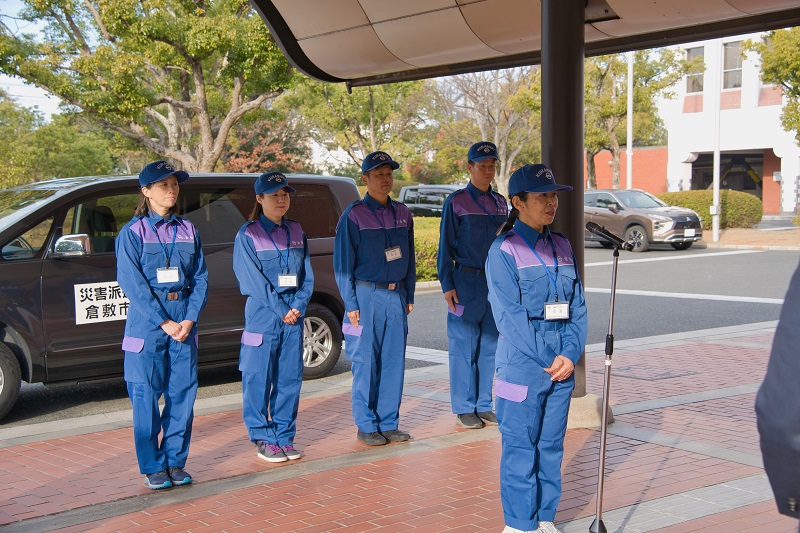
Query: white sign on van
[100, 302]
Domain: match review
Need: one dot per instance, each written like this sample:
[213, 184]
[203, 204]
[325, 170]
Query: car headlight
[662, 224]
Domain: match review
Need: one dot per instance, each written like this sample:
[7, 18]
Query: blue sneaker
[179, 476]
[158, 480]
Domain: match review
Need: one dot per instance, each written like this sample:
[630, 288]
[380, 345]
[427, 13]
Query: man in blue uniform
[470, 219]
[376, 273]
[778, 407]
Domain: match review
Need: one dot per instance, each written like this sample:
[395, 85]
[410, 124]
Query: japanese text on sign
[100, 302]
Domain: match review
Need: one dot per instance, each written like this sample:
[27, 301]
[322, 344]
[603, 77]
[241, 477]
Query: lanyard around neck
[288, 242]
[496, 207]
[167, 255]
[553, 279]
[386, 234]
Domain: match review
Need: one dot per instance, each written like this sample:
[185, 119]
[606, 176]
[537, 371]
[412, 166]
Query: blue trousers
[272, 373]
[471, 343]
[169, 368]
[377, 353]
[532, 411]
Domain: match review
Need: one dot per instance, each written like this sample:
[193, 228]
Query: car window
[640, 199]
[217, 213]
[431, 198]
[101, 218]
[411, 196]
[315, 208]
[589, 199]
[604, 200]
[29, 243]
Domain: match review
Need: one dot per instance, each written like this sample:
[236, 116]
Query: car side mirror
[614, 208]
[72, 245]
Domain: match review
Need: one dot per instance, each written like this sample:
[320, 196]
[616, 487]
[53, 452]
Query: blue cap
[157, 171]
[269, 182]
[376, 159]
[534, 178]
[482, 150]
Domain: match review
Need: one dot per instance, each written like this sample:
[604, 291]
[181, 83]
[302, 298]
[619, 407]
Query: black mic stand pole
[597, 524]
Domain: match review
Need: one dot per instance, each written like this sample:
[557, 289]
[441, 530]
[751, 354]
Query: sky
[25, 95]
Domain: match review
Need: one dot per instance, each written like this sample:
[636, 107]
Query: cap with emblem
[271, 182]
[482, 150]
[534, 178]
[157, 171]
[376, 159]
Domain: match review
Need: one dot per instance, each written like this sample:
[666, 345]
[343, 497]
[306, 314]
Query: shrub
[737, 209]
[426, 242]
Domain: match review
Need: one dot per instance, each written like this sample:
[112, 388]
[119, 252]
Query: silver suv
[640, 218]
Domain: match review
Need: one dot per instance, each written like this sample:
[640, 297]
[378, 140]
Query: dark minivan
[62, 312]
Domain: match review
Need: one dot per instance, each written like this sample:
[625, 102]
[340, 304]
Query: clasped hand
[178, 331]
[561, 369]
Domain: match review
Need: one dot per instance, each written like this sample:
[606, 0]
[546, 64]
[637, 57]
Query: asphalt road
[658, 292]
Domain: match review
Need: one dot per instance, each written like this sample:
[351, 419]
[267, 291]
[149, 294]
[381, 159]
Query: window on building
[732, 65]
[694, 79]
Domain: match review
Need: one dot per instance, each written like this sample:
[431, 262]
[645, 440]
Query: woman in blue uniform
[161, 269]
[373, 259]
[272, 265]
[538, 303]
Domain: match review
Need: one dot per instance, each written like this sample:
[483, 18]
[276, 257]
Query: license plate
[688, 233]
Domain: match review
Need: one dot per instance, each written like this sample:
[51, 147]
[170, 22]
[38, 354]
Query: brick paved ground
[682, 456]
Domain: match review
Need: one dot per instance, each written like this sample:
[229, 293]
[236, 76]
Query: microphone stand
[597, 524]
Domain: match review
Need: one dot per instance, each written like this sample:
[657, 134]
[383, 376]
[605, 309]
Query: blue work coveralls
[470, 219]
[532, 409]
[271, 357]
[155, 363]
[380, 290]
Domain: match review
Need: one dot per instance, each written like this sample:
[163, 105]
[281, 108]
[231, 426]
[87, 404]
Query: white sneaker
[509, 529]
[548, 527]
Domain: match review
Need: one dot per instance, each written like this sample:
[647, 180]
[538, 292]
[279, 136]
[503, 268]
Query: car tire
[637, 235]
[10, 380]
[322, 341]
[681, 245]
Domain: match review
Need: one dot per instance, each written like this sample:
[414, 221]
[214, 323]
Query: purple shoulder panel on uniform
[295, 234]
[563, 250]
[144, 230]
[362, 217]
[403, 215]
[464, 204]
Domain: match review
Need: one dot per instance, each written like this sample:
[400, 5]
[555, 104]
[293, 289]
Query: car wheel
[10, 380]
[681, 245]
[322, 341]
[637, 236]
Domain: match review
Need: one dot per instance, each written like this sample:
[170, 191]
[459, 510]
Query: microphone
[607, 235]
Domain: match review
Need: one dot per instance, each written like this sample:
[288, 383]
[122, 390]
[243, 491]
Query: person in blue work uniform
[272, 265]
[375, 271]
[538, 302]
[470, 220]
[161, 270]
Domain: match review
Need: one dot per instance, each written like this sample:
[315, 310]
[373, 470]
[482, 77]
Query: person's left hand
[291, 317]
[561, 369]
[409, 308]
[186, 328]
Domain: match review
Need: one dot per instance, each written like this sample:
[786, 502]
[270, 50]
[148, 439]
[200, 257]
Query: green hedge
[737, 209]
[426, 242]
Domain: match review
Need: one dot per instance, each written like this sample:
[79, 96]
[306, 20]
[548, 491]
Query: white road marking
[691, 296]
[676, 257]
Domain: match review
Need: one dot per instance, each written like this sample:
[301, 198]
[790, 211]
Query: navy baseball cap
[482, 150]
[157, 171]
[376, 159]
[534, 178]
[270, 182]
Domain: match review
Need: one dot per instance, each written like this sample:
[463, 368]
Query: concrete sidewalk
[682, 456]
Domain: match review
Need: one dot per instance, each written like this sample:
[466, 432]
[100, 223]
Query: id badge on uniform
[168, 275]
[556, 311]
[287, 280]
[393, 254]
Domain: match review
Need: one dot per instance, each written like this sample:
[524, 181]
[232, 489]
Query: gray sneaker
[488, 418]
[395, 435]
[372, 439]
[271, 453]
[290, 452]
[469, 421]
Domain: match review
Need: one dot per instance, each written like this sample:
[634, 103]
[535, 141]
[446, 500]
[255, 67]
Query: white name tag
[393, 253]
[556, 311]
[287, 280]
[168, 275]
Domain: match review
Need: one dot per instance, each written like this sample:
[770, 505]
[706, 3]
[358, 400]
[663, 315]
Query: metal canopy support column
[562, 122]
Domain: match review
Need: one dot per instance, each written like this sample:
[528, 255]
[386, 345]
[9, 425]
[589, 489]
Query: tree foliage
[174, 76]
[779, 52]
[606, 97]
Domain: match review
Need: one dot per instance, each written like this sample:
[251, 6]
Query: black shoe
[395, 435]
[372, 439]
[179, 476]
[488, 418]
[469, 421]
[158, 480]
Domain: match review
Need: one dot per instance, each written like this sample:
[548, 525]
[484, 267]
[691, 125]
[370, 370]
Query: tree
[174, 76]
[382, 117]
[780, 65]
[501, 106]
[17, 153]
[606, 109]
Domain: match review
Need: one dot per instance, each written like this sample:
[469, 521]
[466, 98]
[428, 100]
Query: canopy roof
[365, 42]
